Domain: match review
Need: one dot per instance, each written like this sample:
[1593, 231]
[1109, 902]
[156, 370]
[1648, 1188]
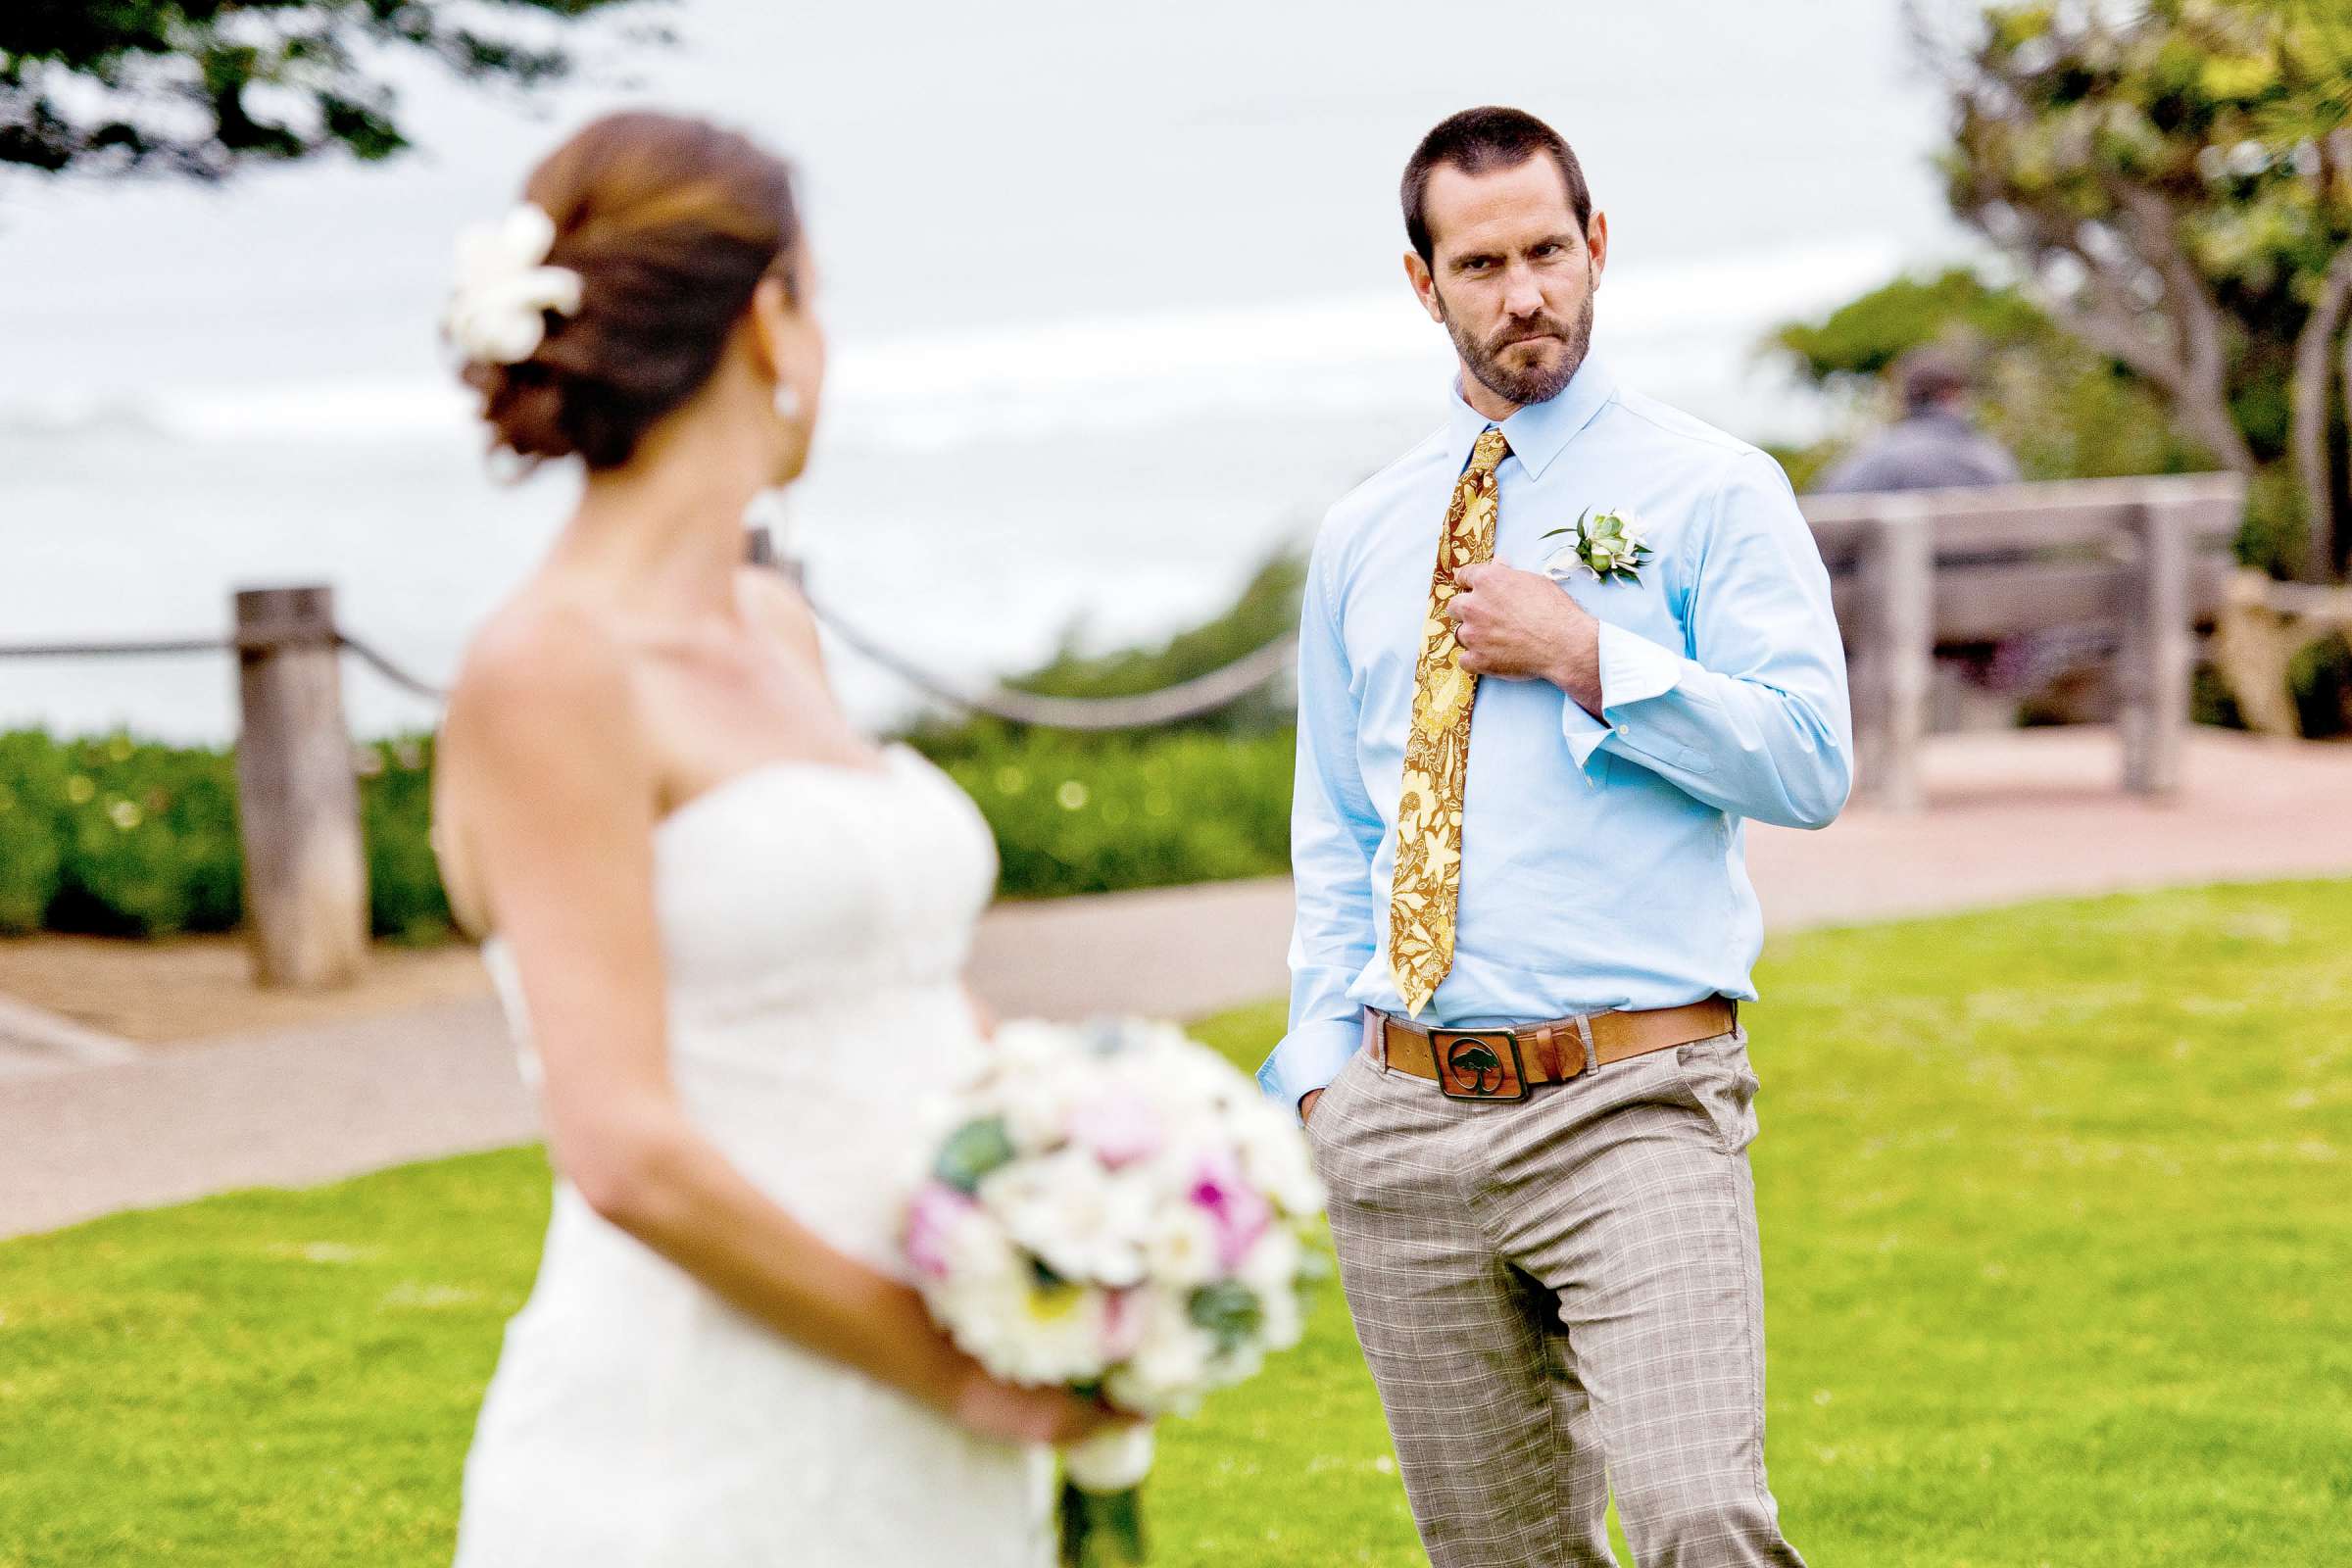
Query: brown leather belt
[1506, 1063]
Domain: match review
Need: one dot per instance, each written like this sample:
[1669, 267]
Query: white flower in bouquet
[1168, 1370]
[1036, 1331]
[1023, 1046]
[1275, 1158]
[1081, 1221]
[1274, 1263]
[1181, 1249]
[1114, 1209]
[1035, 1101]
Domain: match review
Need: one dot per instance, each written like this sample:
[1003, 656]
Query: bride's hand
[1014, 1413]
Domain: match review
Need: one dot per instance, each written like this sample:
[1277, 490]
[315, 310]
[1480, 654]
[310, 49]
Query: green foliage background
[206, 91]
[117, 837]
[2064, 410]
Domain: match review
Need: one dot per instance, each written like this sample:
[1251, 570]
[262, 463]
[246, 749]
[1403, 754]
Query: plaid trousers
[1559, 1297]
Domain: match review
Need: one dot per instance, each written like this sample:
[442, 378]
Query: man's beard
[1534, 384]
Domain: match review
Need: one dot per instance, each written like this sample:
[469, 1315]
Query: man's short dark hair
[1475, 141]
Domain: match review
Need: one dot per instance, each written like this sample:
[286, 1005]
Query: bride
[728, 931]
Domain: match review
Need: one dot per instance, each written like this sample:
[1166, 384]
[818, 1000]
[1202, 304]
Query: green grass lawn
[2057, 1232]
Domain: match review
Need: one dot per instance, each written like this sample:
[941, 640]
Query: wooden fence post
[298, 800]
[2158, 652]
[1897, 643]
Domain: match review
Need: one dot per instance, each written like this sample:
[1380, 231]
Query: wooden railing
[1917, 569]
[298, 804]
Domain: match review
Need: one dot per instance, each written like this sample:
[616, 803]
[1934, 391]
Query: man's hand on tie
[1521, 625]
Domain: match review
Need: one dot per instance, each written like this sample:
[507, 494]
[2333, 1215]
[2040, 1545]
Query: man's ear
[1596, 240]
[1425, 286]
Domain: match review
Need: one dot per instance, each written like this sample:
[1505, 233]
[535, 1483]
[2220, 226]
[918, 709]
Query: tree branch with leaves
[207, 89]
[2171, 178]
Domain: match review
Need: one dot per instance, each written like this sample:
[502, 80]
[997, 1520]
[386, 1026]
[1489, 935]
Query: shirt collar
[1539, 431]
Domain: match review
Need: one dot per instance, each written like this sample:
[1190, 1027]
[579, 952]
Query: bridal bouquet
[1114, 1209]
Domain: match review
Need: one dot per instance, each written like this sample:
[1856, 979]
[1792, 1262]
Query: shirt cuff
[1584, 732]
[1308, 1058]
[1633, 670]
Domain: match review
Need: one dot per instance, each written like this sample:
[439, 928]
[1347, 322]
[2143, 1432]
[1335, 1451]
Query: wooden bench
[1914, 570]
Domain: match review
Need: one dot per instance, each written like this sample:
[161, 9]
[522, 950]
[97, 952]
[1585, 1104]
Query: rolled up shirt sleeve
[1756, 720]
[1335, 835]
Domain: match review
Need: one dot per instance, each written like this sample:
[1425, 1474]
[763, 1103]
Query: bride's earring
[788, 401]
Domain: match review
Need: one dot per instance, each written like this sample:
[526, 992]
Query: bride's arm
[560, 796]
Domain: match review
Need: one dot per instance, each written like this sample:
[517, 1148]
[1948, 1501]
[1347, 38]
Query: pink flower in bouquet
[1120, 1127]
[938, 1209]
[1238, 1210]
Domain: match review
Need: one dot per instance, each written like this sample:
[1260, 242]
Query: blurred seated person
[1934, 446]
[2057, 675]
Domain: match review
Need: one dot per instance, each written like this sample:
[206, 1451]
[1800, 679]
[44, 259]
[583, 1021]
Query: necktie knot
[1492, 448]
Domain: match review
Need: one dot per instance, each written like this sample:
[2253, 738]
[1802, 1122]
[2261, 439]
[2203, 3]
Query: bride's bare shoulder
[540, 724]
[778, 607]
[541, 663]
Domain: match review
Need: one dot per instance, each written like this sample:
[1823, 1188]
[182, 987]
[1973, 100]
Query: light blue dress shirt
[1602, 859]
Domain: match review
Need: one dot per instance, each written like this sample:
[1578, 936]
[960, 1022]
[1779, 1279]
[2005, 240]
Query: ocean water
[1101, 343]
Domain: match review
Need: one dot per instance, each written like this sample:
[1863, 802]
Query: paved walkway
[2013, 816]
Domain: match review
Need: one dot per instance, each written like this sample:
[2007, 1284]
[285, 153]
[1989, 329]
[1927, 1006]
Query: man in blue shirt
[1551, 659]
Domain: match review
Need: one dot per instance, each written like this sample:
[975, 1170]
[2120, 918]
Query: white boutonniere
[1604, 544]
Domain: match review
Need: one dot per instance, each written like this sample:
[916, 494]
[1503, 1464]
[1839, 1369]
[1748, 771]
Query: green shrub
[1266, 609]
[32, 792]
[119, 837]
[405, 897]
[1098, 813]
[147, 840]
[2319, 679]
[1204, 801]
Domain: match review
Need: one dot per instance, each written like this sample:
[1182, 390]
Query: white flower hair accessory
[495, 313]
[1602, 544]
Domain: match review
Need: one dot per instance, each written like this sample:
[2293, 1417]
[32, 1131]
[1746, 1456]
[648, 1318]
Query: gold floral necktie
[1427, 886]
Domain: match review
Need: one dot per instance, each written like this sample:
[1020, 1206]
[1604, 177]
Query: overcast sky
[1016, 163]
[1114, 292]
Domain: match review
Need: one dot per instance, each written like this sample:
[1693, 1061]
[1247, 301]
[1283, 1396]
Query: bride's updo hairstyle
[663, 227]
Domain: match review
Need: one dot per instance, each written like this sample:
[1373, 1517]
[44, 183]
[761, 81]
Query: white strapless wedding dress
[815, 920]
